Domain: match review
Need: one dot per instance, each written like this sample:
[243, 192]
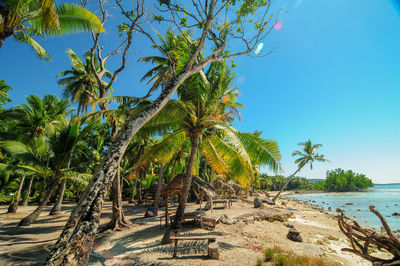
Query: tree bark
[28, 220]
[28, 192]
[57, 206]
[14, 204]
[177, 223]
[76, 241]
[118, 221]
[285, 185]
[157, 197]
[132, 194]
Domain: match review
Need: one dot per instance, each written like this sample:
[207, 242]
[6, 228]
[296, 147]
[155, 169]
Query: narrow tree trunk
[157, 197]
[132, 194]
[1, 41]
[140, 199]
[76, 241]
[284, 186]
[177, 223]
[42, 191]
[57, 206]
[118, 221]
[28, 192]
[28, 220]
[14, 204]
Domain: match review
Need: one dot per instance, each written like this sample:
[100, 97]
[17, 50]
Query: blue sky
[334, 78]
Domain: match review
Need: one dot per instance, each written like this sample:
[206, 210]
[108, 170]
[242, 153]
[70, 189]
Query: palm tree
[307, 156]
[175, 54]
[80, 84]
[26, 18]
[199, 120]
[60, 145]
[38, 117]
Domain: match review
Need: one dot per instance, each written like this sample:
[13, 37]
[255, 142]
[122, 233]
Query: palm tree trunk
[118, 221]
[14, 205]
[285, 185]
[132, 194]
[57, 206]
[28, 220]
[76, 241]
[177, 223]
[157, 197]
[28, 192]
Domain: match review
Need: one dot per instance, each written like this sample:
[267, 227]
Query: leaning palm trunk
[28, 220]
[28, 192]
[177, 223]
[118, 221]
[157, 197]
[57, 206]
[14, 204]
[286, 184]
[76, 241]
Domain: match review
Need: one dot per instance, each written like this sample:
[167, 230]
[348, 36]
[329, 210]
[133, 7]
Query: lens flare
[259, 48]
[278, 25]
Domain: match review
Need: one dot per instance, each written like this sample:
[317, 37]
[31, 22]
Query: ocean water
[385, 198]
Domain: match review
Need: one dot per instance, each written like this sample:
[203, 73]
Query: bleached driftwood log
[362, 239]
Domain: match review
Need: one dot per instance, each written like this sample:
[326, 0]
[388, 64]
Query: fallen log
[362, 239]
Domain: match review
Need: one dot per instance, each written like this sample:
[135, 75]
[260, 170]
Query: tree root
[362, 239]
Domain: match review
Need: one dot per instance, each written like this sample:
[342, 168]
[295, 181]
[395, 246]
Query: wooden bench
[210, 239]
[225, 202]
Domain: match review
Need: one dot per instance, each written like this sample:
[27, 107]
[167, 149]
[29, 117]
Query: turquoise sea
[386, 199]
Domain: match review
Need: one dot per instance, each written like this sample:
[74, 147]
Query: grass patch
[279, 257]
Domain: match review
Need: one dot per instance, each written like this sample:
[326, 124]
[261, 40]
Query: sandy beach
[240, 243]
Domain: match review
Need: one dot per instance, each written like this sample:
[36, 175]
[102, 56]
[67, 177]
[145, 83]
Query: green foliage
[4, 88]
[275, 183]
[25, 19]
[342, 181]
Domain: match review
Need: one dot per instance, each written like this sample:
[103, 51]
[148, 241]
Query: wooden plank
[176, 238]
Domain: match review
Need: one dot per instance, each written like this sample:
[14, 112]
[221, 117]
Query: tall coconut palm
[26, 18]
[308, 155]
[38, 117]
[55, 169]
[199, 119]
[80, 84]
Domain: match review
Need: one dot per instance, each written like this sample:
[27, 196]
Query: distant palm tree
[60, 145]
[38, 116]
[176, 52]
[25, 18]
[80, 84]
[307, 156]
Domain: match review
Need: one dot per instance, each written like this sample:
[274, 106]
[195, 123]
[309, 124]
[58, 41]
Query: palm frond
[39, 50]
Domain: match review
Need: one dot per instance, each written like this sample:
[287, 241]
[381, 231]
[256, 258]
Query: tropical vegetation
[340, 180]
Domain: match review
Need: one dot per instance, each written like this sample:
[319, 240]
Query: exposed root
[362, 239]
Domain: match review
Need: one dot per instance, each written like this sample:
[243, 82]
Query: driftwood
[268, 214]
[362, 239]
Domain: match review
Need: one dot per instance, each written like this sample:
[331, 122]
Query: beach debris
[268, 201]
[395, 214]
[362, 239]
[213, 250]
[349, 203]
[283, 203]
[268, 214]
[330, 209]
[289, 225]
[258, 203]
[225, 219]
[294, 235]
[334, 238]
